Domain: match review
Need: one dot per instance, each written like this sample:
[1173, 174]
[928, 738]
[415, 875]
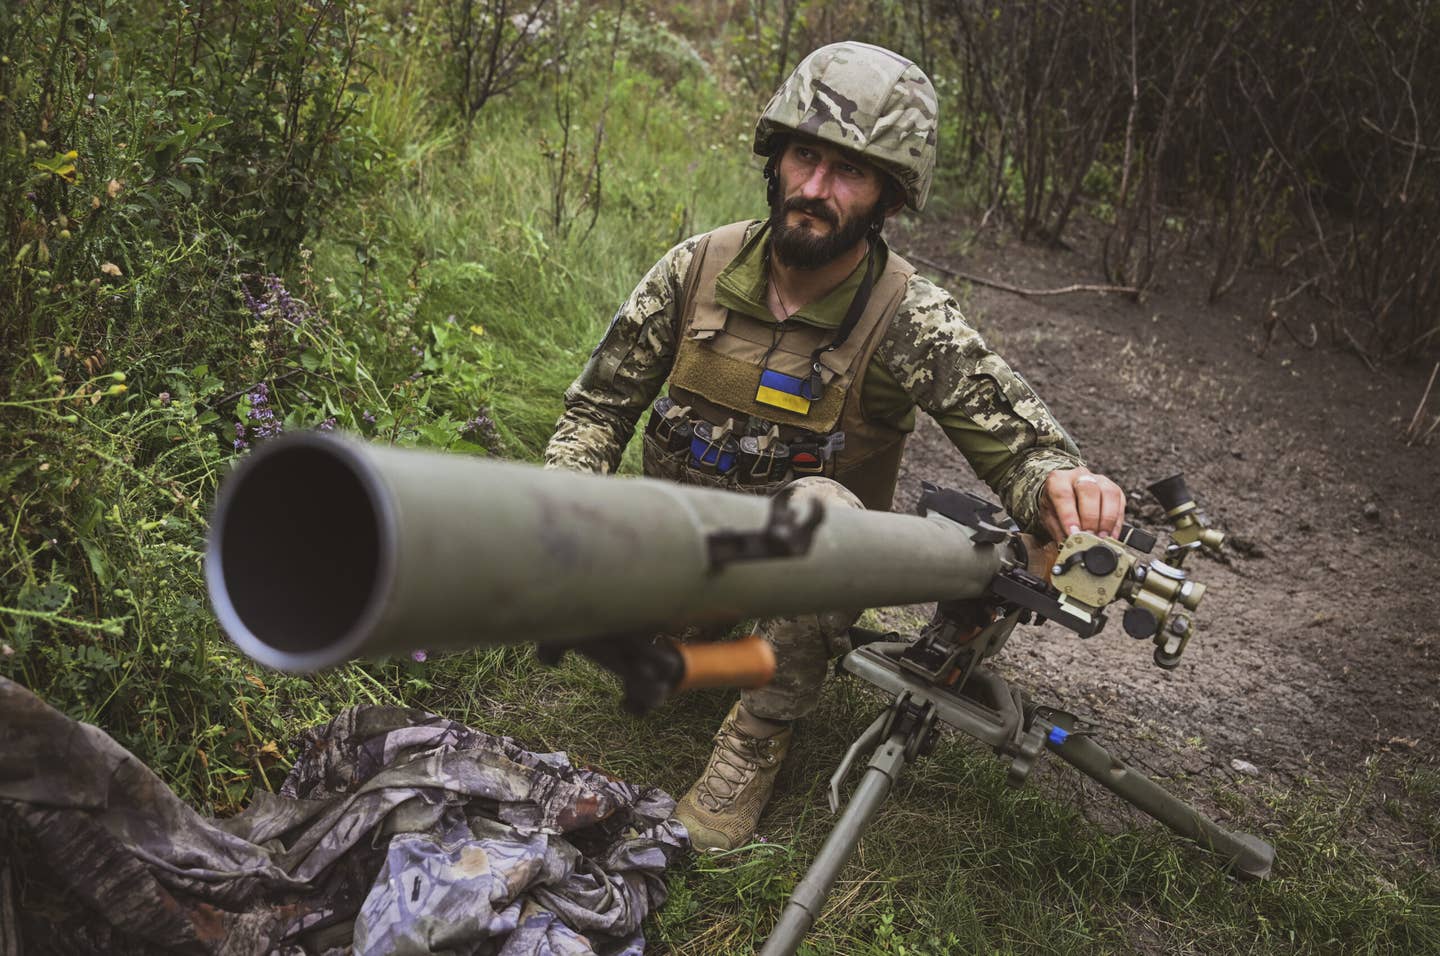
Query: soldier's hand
[1075, 499]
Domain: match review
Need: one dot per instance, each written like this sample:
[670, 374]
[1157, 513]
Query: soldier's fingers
[1051, 523]
[1060, 494]
[1087, 502]
[1112, 508]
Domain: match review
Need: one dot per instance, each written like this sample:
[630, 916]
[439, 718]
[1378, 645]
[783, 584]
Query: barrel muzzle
[302, 552]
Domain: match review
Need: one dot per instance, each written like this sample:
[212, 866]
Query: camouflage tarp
[396, 832]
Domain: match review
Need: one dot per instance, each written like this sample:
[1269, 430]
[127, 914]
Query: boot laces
[738, 757]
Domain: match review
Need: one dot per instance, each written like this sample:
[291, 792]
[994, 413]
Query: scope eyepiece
[1172, 494]
[1192, 530]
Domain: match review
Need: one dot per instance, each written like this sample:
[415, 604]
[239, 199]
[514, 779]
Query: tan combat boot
[723, 807]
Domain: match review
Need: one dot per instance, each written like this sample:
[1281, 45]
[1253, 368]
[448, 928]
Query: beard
[800, 247]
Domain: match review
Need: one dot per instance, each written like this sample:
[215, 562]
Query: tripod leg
[804, 905]
[1250, 857]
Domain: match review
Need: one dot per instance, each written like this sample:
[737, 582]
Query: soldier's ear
[892, 197]
[772, 175]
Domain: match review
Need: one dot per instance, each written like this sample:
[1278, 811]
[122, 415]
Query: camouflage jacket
[930, 358]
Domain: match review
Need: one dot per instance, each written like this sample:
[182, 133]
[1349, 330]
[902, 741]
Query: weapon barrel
[323, 549]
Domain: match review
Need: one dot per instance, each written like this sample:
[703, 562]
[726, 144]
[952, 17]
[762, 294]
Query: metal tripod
[985, 706]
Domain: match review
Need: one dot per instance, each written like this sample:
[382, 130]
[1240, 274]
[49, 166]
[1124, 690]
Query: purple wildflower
[266, 424]
[240, 443]
[369, 417]
[418, 656]
[291, 309]
[328, 425]
[257, 308]
[480, 429]
[416, 351]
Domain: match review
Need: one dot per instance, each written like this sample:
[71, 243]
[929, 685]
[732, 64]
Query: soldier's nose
[817, 184]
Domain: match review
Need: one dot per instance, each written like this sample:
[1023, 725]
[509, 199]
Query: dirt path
[1320, 647]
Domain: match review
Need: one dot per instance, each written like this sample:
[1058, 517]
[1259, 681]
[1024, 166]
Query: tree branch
[1018, 290]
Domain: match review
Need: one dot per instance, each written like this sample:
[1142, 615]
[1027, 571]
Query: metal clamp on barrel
[785, 535]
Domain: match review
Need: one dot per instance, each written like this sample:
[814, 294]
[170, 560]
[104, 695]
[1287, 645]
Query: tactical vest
[721, 356]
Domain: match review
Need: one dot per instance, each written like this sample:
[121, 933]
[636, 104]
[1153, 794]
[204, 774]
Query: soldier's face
[827, 200]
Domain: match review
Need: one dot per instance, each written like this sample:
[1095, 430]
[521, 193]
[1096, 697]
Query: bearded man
[795, 350]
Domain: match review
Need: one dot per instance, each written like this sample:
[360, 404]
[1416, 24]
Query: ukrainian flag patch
[779, 390]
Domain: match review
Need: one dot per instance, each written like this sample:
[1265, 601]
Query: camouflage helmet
[862, 98]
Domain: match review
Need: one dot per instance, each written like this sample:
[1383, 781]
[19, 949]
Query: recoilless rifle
[324, 549]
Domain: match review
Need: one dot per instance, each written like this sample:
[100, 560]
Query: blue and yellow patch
[779, 390]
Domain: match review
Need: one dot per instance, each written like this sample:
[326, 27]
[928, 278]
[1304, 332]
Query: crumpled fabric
[396, 831]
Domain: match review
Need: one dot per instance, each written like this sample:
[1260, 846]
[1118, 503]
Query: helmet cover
[866, 99]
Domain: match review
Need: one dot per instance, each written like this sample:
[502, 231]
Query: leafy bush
[222, 143]
[493, 46]
[1290, 133]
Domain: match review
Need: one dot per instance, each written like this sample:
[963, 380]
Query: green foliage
[223, 141]
[493, 46]
[475, 233]
[655, 51]
[763, 40]
[286, 79]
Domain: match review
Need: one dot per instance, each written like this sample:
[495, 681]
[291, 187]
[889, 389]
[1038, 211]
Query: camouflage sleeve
[991, 414]
[624, 373]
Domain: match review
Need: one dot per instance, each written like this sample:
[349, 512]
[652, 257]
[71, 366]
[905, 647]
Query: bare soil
[1319, 647]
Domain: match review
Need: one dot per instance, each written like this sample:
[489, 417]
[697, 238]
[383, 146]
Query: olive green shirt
[929, 357]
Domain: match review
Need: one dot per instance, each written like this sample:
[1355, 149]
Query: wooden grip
[1042, 557]
[747, 662]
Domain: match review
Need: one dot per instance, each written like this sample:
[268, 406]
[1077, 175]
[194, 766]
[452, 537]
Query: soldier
[798, 347]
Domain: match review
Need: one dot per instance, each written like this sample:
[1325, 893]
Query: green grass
[957, 861]
[474, 230]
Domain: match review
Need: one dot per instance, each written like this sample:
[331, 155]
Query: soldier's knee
[828, 490]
